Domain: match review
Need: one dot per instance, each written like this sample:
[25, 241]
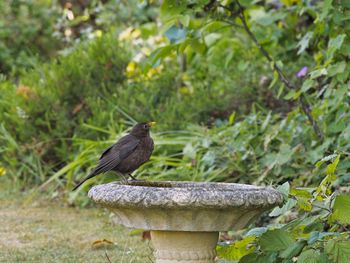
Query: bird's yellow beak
[152, 124]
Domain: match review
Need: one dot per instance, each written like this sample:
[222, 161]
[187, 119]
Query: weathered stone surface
[185, 206]
[189, 247]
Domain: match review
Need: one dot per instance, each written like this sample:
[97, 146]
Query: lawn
[39, 229]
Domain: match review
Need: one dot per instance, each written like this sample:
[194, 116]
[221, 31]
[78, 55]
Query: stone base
[181, 247]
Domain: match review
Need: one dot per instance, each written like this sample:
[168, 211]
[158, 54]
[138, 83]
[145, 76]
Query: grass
[42, 229]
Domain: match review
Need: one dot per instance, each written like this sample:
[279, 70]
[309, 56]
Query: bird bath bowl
[185, 217]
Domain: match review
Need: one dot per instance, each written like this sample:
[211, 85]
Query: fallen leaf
[78, 108]
[102, 242]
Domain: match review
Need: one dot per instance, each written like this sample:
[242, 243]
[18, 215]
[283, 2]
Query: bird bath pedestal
[184, 217]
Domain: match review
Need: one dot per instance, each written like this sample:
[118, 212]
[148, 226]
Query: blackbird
[127, 154]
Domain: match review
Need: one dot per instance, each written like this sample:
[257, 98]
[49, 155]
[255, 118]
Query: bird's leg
[132, 177]
[123, 178]
[135, 180]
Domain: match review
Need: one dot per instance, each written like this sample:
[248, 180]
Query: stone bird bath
[185, 217]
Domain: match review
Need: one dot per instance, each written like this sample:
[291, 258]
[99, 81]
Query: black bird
[127, 154]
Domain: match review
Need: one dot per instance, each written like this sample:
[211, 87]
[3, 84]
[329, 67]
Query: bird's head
[142, 129]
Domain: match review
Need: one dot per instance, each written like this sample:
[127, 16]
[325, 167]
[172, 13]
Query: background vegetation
[246, 92]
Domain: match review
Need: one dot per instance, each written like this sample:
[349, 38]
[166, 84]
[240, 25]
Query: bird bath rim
[184, 195]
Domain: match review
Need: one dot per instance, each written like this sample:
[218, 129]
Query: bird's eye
[145, 126]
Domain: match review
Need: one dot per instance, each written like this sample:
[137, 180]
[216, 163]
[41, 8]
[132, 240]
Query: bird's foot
[135, 180]
[132, 178]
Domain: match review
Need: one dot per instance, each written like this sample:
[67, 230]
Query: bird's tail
[92, 174]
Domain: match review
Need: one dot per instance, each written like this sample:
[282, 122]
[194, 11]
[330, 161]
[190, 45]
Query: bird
[127, 154]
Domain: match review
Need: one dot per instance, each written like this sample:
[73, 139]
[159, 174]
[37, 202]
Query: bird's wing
[106, 151]
[111, 157]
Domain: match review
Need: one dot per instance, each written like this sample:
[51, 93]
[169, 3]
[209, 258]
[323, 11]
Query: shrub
[27, 34]
[86, 94]
[48, 107]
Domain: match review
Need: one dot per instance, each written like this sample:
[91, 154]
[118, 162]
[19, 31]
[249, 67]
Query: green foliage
[341, 208]
[297, 34]
[26, 33]
[315, 234]
[275, 240]
[83, 95]
[49, 106]
[274, 29]
[34, 31]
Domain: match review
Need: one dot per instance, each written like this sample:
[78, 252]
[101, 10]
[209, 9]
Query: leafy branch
[305, 106]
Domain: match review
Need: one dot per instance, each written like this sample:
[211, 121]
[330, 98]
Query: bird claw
[132, 178]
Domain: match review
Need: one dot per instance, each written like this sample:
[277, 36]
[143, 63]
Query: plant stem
[107, 257]
[306, 108]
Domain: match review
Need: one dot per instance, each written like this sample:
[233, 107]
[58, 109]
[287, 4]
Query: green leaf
[175, 34]
[250, 258]
[213, 26]
[158, 55]
[275, 240]
[309, 256]
[185, 20]
[277, 211]
[304, 42]
[171, 8]
[284, 154]
[324, 258]
[314, 226]
[302, 192]
[198, 46]
[304, 204]
[346, 133]
[136, 232]
[309, 83]
[211, 38]
[258, 231]
[345, 3]
[293, 250]
[189, 151]
[237, 249]
[327, 6]
[229, 58]
[262, 18]
[231, 119]
[183, 45]
[339, 250]
[300, 223]
[318, 236]
[331, 167]
[260, 258]
[292, 94]
[242, 65]
[148, 29]
[336, 68]
[326, 159]
[317, 73]
[335, 44]
[266, 122]
[341, 209]
[284, 189]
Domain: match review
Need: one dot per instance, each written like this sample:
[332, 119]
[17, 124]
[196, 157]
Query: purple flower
[302, 73]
